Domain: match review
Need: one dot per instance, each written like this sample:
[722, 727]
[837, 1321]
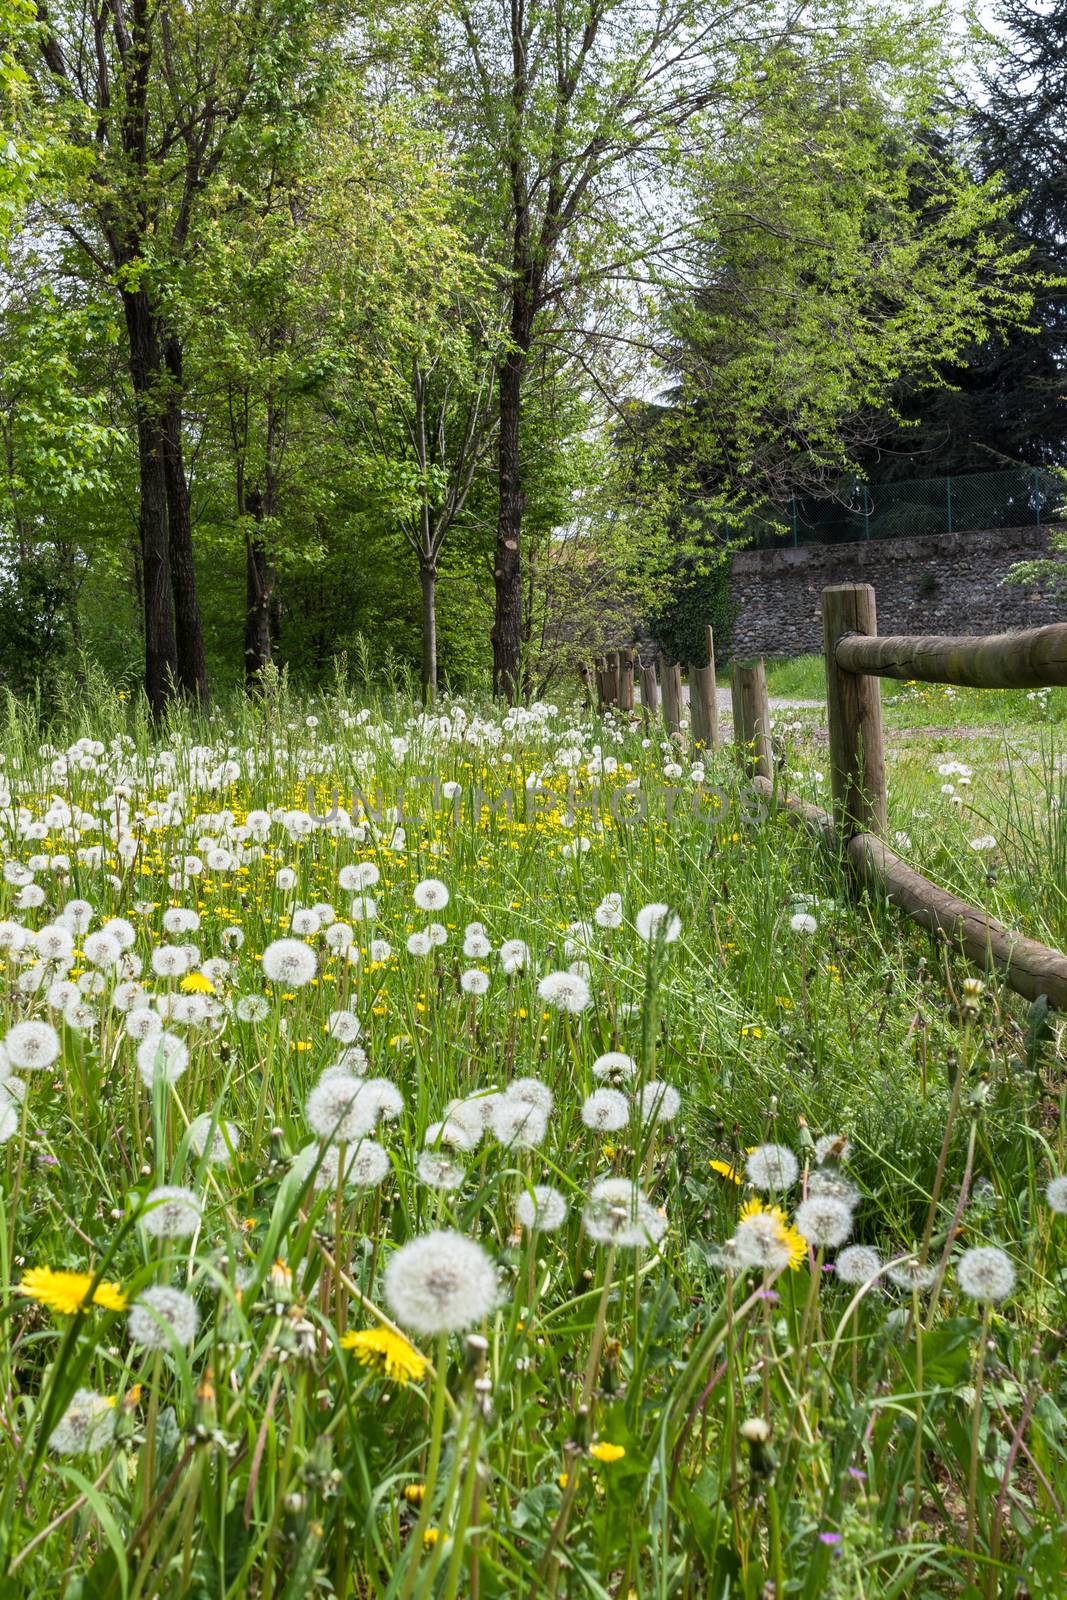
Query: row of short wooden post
[613, 677]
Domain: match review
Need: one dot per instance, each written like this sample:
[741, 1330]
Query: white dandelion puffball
[252, 1008]
[438, 934]
[827, 1183]
[832, 1147]
[912, 1276]
[760, 1242]
[533, 1091]
[618, 1213]
[430, 895]
[291, 962]
[87, 1425]
[608, 913]
[1056, 1195]
[614, 1064]
[476, 946]
[606, 1111]
[32, 1046]
[363, 908]
[517, 1123]
[772, 1167]
[858, 1264]
[985, 1273]
[542, 1209]
[362, 875]
[438, 1170]
[304, 922]
[803, 922]
[368, 1164]
[658, 923]
[214, 1137]
[170, 1212]
[143, 1023]
[419, 943]
[824, 1221]
[441, 1282]
[170, 961]
[334, 1110]
[514, 954]
[161, 1317]
[9, 1117]
[344, 1026]
[163, 1056]
[565, 991]
[660, 1102]
[474, 981]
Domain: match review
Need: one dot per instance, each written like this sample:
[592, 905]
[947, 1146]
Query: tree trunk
[192, 668]
[258, 590]
[507, 571]
[428, 574]
[145, 361]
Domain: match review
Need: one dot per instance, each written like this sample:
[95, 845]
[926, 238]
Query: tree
[157, 97]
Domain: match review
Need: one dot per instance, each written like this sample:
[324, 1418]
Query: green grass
[770, 1432]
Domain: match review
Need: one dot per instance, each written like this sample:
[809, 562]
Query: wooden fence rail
[855, 660]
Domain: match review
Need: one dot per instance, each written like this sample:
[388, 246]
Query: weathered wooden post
[752, 717]
[585, 677]
[626, 680]
[611, 680]
[671, 674]
[601, 684]
[854, 715]
[703, 704]
[649, 693]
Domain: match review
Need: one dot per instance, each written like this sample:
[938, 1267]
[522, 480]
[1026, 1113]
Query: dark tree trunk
[160, 648]
[258, 592]
[507, 571]
[192, 667]
[428, 574]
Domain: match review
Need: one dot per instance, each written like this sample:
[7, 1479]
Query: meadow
[483, 1152]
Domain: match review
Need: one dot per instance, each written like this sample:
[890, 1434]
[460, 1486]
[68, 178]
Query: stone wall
[951, 583]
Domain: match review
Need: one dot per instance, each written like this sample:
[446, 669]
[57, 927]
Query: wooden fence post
[672, 695]
[585, 676]
[626, 680]
[854, 715]
[703, 704]
[611, 679]
[649, 693]
[752, 717]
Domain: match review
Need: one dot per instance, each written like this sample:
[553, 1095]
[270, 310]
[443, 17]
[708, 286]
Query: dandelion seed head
[606, 1111]
[170, 1212]
[824, 1221]
[985, 1273]
[542, 1209]
[441, 1282]
[290, 962]
[772, 1167]
[160, 1316]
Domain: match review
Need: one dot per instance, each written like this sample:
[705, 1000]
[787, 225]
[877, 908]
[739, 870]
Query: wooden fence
[612, 679]
[856, 658]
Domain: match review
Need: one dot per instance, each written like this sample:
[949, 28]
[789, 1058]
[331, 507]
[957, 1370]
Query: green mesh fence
[1022, 497]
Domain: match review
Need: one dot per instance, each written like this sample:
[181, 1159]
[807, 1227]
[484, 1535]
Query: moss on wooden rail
[1034, 659]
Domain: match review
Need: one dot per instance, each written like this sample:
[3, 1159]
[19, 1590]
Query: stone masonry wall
[951, 583]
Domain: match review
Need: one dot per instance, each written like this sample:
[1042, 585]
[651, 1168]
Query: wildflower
[363, 875]
[439, 1171]
[618, 1213]
[565, 991]
[440, 1282]
[430, 895]
[603, 1451]
[32, 1046]
[912, 1276]
[196, 983]
[344, 1026]
[161, 1316]
[608, 913]
[657, 922]
[824, 1221]
[419, 944]
[514, 954]
[605, 1111]
[858, 1264]
[660, 1102]
[614, 1063]
[765, 1239]
[291, 962]
[542, 1209]
[474, 981]
[215, 1137]
[725, 1170]
[772, 1167]
[252, 1008]
[1056, 1195]
[516, 1122]
[87, 1425]
[414, 1493]
[803, 922]
[985, 1274]
[67, 1292]
[170, 1212]
[163, 1056]
[389, 1354]
[533, 1092]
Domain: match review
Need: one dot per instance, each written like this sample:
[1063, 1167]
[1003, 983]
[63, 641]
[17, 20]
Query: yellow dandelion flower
[787, 1234]
[414, 1493]
[67, 1292]
[387, 1353]
[196, 983]
[603, 1451]
[725, 1170]
[430, 1538]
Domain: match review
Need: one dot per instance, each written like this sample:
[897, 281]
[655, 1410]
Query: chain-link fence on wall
[1022, 497]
